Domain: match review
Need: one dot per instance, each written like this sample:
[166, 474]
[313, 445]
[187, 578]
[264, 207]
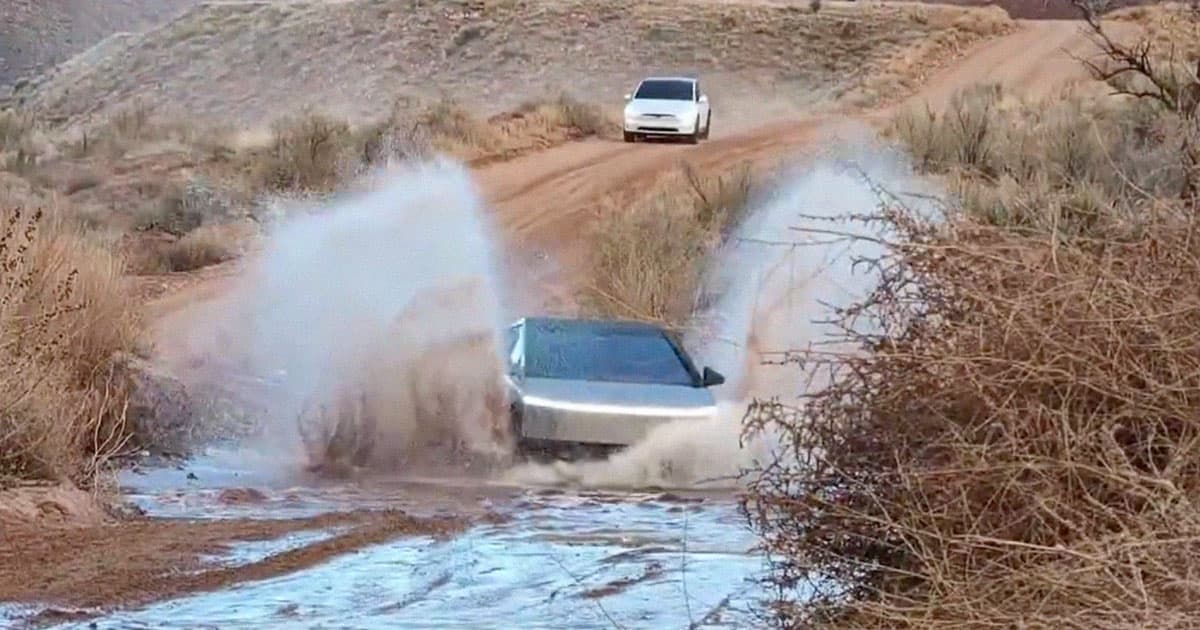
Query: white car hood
[681, 109]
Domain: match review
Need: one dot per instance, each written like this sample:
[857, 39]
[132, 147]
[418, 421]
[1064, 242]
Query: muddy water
[553, 558]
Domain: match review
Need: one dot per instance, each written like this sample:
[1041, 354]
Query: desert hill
[35, 35]
[249, 62]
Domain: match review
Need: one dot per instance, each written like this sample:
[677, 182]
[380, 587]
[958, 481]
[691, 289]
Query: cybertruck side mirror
[712, 377]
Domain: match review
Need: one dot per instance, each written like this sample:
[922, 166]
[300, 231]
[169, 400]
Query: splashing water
[371, 320]
[777, 276]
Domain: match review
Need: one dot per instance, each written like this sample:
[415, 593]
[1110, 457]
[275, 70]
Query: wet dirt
[233, 547]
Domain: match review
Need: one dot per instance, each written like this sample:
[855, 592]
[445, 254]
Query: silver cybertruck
[583, 388]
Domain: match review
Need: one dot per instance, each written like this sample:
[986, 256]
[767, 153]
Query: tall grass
[15, 128]
[64, 316]
[317, 152]
[649, 255]
[17, 151]
[1055, 165]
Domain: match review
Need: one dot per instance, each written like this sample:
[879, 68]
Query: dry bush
[184, 207]
[649, 255]
[455, 129]
[17, 150]
[1013, 439]
[1169, 26]
[585, 119]
[1018, 442]
[64, 317]
[535, 125]
[134, 125]
[1054, 165]
[15, 128]
[203, 247]
[306, 153]
[315, 152]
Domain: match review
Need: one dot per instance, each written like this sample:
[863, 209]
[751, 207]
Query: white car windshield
[662, 89]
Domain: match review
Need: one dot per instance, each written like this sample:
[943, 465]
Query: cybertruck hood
[626, 399]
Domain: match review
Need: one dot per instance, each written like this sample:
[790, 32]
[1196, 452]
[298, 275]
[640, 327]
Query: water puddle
[554, 558]
[649, 575]
[252, 551]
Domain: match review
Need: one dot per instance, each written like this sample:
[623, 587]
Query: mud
[135, 562]
[421, 553]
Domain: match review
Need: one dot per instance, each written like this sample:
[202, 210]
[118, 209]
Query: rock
[161, 413]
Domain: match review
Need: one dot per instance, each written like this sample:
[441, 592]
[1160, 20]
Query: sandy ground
[541, 201]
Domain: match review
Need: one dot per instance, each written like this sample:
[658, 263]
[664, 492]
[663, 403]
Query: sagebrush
[651, 251]
[64, 317]
[1014, 438]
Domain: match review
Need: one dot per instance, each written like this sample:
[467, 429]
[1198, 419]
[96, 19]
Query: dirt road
[542, 201]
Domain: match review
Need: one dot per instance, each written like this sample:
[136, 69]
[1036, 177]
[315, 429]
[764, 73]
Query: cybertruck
[581, 388]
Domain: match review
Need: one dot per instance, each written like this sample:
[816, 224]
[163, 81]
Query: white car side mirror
[703, 98]
[628, 97]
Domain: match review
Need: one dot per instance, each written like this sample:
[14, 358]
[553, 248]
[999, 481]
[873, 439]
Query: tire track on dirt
[164, 558]
[545, 199]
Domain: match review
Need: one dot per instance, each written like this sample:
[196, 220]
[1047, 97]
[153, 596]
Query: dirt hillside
[251, 62]
[543, 198]
[38, 34]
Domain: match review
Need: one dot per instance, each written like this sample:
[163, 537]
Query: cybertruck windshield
[670, 90]
[599, 351]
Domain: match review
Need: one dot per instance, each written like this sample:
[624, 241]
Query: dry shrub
[1018, 442]
[204, 247]
[585, 119]
[1169, 25]
[64, 316]
[649, 255]
[184, 207]
[455, 129]
[1052, 165]
[134, 125]
[306, 153]
[315, 152]
[17, 150]
[15, 128]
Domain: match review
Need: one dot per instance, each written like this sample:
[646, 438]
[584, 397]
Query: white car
[667, 107]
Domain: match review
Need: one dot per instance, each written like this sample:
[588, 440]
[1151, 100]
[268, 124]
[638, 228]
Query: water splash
[366, 328]
[777, 278]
